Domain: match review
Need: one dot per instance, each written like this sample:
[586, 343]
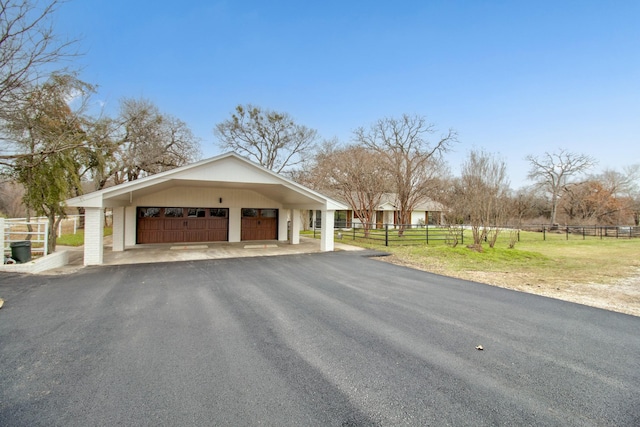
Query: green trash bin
[21, 251]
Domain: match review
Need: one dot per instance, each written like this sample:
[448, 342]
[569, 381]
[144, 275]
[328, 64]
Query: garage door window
[218, 213]
[249, 213]
[149, 212]
[196, 212]
[173, 212]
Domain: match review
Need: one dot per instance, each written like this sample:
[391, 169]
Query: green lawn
[78, 238]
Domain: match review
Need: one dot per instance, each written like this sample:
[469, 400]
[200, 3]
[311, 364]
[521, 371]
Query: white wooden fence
[17, 229]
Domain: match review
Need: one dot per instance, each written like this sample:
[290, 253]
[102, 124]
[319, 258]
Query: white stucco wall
[205, 197]
[118, 229]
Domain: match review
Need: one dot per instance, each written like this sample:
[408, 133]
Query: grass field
[556, 258]
[557, 261]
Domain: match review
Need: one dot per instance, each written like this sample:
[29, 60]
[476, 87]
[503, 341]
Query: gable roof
[228, 170]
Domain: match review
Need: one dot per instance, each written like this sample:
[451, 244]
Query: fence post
[567, 232]
[544, 233]
[427, 228]
[462, 235]
[386, 234]
[46, 239]
[353, 228]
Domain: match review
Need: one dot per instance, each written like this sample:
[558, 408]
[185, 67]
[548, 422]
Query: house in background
[426, 212]
[226, 198]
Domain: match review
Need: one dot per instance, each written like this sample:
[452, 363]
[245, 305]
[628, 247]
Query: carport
[224, 198]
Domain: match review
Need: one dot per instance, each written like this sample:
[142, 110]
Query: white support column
[130, 225]
[326, 236]
[93, 236]
[235, 224]
[283, 218]
[118, 229]
[295, 227]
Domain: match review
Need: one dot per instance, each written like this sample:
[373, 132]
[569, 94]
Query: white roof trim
[96, 198]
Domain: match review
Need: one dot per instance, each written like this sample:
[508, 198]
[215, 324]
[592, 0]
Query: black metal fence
[586, 231]
[393, 234]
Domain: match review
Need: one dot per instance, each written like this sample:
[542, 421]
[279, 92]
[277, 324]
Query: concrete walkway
[162, 253]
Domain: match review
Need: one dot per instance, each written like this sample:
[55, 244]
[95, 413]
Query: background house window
[342, 219]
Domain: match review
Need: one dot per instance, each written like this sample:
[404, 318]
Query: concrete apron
[173, 252]
[141, 254]
[213, 250]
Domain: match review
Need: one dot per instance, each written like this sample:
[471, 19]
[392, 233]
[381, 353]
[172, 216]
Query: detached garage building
[226, 198]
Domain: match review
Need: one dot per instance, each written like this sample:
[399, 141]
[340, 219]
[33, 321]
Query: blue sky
[512, 77]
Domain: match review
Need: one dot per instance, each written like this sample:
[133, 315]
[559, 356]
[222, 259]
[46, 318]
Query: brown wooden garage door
[173, 225]
[259, 224]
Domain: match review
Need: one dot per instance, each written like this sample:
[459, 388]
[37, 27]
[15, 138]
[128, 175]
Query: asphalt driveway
[330, 339]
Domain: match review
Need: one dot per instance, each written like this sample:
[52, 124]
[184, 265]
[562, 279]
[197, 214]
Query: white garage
[224, 198]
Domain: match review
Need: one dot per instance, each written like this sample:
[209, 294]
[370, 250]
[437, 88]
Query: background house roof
[389, 202]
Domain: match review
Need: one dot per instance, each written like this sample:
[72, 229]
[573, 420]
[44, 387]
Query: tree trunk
[554, 208]
[29, 226]
[53, 232]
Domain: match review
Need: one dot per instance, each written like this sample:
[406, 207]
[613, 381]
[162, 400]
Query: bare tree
[356, 175]
[270, 138]
[525, 204]
[29, 50]
[11, 194]
[148, 141]
[412, 161]
[611, 195]
[552, 172]
[480, 196]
